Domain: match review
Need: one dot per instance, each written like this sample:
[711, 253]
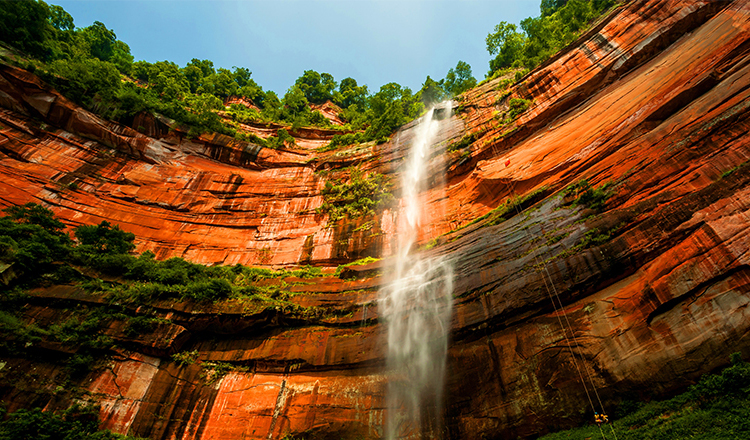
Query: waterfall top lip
[440, 109]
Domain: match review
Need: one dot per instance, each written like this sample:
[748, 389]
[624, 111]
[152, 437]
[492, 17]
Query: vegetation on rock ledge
[95, 69]
[76, 423]
[34, 245]
[718, 407]
[360, 196]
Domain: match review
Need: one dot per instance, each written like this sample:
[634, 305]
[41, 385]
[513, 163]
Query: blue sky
[372, 41]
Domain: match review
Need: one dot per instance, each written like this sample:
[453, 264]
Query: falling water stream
[416, 305]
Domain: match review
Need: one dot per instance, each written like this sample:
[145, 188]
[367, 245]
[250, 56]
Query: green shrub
[594, 237]
[76, 423]
[184, 358]
[586, 195]
[110, 264]
[214, 371]
[33, 238]
[307, 272]
[16, 334]
[82, 80]
[143, 268]
[79, 364]
[718, 407]
[140, 325]
[733, 381]
[464, 142]
[341, 140]
[211, 290]
[517, 106]
[282, 139]
[104, 239]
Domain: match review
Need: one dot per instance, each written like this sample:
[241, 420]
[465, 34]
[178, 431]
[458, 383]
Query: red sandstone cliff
[653, 100]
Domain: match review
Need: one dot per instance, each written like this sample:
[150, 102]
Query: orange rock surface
[643, 296]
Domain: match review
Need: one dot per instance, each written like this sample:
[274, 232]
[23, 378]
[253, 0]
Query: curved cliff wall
[652, 288]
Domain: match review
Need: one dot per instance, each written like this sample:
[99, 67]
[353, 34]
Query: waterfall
[416, 306]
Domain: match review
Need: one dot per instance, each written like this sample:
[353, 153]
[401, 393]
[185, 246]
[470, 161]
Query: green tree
[33, 238]
[390, 108]
[194, 77]
[167, 81]
[295, 105]
[23, 24]
[86, 80]
[560, 23]
[241, 75]
[102, 43]
[204, 107]
[271, 105]
[254, 93]
[548, 7]
[507, 44]
[545, 36]
[221, 84]
[350, 93]
[318, 88]
[33, 214]
[63, 42]
[105, 238]
[603, 5]
[60, 19]
[122, 58]
[432, 92]
[576, 15]
[459, 79]
[141, 70]
[196, 71]
[206, 66]
[100, 40]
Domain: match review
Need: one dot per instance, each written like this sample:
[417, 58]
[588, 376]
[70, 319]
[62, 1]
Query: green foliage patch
[586, 195]
[342, 140]
[517, 106]
[214, 371]
[282, 139]
[560, 22]
[185, 357]
[33, 243]
[507, 209]
[360, 195]
[360, 262]
[717, 407]
[76, 423]
[95, 69]
[732, 170]
[464, 142]
[32, 239]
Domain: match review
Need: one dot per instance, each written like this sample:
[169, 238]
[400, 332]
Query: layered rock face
[561, 307]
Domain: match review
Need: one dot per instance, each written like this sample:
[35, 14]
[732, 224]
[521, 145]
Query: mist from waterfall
[416, 305]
